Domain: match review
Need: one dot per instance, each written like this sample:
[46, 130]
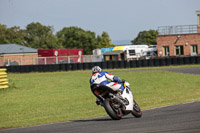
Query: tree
[104, 41]
[17, 35]
[145, 37]
[3, 34]
[12, 35]
[74, 37]
[40, 37]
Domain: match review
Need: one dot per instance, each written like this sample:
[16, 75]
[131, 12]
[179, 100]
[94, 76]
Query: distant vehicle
[149, 55]
[59, 52]
[136, 51]
[153, 48]
[14, 63]
[54, 56]
[65, 62]
[133, 52]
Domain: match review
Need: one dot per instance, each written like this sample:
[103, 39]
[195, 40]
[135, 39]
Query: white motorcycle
[116, 104]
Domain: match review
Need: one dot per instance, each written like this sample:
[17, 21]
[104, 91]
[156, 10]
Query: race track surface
[181, 118]
[192, 70]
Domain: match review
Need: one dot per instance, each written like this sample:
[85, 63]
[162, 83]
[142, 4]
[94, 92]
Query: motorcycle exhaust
[117, 99]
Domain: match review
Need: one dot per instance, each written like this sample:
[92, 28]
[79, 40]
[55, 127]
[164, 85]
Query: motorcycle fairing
[127, 94]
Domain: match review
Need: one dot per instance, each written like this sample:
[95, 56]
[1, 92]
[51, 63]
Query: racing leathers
[105, 78]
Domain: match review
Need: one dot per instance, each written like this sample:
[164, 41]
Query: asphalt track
[194, 70]
[181, 118]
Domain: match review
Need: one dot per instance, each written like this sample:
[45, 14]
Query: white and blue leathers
[105, 78]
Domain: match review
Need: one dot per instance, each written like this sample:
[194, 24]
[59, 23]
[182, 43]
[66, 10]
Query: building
[98, 54]
[104, 50]
[183, 40]
[14, 54]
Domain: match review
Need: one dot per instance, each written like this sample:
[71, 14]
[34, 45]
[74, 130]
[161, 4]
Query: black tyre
[114, 113]
[137, 112]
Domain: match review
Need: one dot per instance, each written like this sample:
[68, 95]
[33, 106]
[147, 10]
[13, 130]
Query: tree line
[40, 36]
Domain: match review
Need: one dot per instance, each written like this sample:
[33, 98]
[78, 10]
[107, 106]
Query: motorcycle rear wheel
[114, 113]
[137, 112]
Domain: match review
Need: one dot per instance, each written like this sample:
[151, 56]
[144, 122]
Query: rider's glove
[123, 81]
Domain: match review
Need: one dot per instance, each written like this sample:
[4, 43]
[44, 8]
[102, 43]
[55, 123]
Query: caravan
[136, 51]
[133, 52]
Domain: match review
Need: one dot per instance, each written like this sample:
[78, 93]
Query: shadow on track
[102, 119]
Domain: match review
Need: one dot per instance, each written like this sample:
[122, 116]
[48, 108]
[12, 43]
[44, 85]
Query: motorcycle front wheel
[137, 112]
[114, 113]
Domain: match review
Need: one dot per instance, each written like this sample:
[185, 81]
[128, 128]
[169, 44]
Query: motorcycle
[115, 103]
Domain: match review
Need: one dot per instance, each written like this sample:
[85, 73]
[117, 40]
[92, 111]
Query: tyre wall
[105, 65]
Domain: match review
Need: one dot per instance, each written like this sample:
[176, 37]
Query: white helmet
[96, 69]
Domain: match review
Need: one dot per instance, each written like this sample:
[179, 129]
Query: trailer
[136, 51]
[59, 56]
[133, 52]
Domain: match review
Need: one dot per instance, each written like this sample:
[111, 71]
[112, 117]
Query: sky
[121, 19]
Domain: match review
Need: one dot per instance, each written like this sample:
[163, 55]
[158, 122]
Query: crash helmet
[96, 69]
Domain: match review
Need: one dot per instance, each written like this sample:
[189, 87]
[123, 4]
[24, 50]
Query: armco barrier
[106, 65]
[3, 79]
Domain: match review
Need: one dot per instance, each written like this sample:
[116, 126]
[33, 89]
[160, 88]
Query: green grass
[39, 98]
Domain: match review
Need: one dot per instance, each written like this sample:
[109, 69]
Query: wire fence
[49, 60]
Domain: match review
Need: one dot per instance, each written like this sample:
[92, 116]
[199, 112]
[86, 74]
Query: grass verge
[39, 98]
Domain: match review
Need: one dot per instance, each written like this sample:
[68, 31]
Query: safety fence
[106, 65]
[13, 61]
[3, 79]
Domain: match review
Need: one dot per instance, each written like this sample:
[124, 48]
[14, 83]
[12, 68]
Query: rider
[105, 78]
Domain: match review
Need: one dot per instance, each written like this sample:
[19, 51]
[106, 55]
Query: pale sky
[121, 19]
